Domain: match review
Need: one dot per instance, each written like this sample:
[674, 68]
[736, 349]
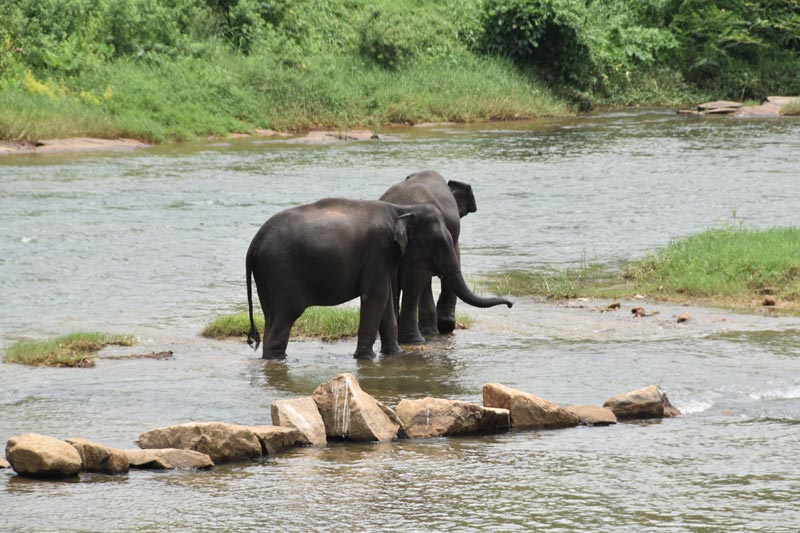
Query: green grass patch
[732, 263]
[324, 323]
[550, 284]
[73, 350]
[732, 266]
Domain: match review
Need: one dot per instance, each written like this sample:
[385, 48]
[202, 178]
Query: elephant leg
[446, 306]
[446, 310]
[427, 312]
[408, 327]
[388, 330]
[277, 334]
[374, 301]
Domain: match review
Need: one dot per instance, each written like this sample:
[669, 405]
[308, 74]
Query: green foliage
[734, 47]
[68, 350]
[392, 37]
[555, 285]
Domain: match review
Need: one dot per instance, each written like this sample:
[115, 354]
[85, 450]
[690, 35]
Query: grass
[324, 323]
[734, 267]
[792, 108]
[227, 92]
[72, 350]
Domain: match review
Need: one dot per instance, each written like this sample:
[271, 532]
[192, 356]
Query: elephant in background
[334, 250]
[419, 315]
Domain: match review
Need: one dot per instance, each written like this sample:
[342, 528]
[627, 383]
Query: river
[152, 243]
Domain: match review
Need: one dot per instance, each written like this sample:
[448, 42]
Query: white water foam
[788, 393]
[692, 407]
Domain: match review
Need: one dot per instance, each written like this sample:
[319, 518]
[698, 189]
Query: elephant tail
[253, 338]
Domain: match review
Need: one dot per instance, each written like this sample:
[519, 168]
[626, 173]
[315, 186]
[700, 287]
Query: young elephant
[419, 315]
[334, 250]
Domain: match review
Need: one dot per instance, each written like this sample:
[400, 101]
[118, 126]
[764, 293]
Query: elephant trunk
[451, 273]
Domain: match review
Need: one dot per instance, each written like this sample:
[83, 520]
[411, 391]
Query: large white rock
[220, 441]
[527, 410]
[438, 417]
[350, 413]
[99, 458]
[39, 455]
[301, 414]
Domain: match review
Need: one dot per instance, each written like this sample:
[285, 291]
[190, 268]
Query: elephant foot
[412, 338]
[393, 349]
[364, 354]
[428, 331]
[446, 324]
[273, 356]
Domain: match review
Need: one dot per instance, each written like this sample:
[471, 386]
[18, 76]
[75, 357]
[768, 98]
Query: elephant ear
[464, 197]
[402, 227]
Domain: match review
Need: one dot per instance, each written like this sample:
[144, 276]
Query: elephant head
[464, 197]
[424, 239]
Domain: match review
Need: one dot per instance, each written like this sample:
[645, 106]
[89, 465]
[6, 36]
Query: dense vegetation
[170, 69]
[729, 266]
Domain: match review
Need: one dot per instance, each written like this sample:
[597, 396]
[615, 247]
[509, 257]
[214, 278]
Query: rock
[638, 312]
[649, 402]
[527, 410]
[222, 442]
[769, 301]
[719, 104]
[321, 137]
[350, 413]
[722, 111]
[38, 455]
[437, 417]
[767, 110]
[99, 458]
[782, 100]
[684, 317]
[167, 459]
[4, 463]
[591, 415]
[275, 439]
[301, 414]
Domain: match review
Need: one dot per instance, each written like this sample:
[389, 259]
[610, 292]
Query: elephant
[334, 250]
[420, 317]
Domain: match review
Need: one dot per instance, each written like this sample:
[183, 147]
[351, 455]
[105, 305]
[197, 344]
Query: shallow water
[152, 243]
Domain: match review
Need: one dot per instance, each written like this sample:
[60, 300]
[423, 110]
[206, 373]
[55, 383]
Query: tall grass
[72, 350]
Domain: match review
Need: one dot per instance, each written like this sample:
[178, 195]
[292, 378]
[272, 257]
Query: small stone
[527, 410]
[614, 307]
[638, 312]
[275, 439]
[301, 414]
[769, 301]
[220, 441]
[591, 415]
[99, 458]
[167, 459]
[648, 402]
[438, 417]
[4, 463]
[42, 456]
[684, 317]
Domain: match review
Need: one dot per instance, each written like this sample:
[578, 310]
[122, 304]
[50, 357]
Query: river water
[152, 243]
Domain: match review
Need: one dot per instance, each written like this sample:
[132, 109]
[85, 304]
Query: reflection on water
[153, 242]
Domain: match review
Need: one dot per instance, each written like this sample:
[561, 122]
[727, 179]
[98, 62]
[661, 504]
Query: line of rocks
[338, 409]
[771, 107]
